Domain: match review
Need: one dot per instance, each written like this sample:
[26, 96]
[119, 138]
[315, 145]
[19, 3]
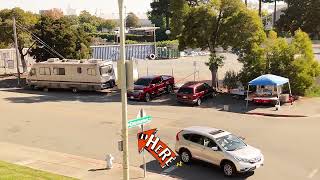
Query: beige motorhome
[72, 74]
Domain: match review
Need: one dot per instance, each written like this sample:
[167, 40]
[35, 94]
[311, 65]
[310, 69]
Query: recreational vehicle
[72, 74]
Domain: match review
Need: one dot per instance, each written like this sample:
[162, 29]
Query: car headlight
[242, 159]
[139, 91]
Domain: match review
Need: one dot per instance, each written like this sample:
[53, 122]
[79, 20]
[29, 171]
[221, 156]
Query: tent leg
[247, 97]
[290, 93]
[278, 95]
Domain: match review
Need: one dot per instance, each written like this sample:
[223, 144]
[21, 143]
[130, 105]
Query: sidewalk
[66, 164]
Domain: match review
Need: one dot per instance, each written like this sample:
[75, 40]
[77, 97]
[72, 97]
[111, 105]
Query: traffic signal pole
[123, 82]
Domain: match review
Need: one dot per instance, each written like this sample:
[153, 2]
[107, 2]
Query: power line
[36, 38]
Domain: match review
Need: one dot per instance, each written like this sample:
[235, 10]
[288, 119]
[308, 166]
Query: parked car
[218, 147]
[145, 88]
[194, 93]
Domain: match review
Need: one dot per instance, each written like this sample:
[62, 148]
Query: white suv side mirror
[215, 148]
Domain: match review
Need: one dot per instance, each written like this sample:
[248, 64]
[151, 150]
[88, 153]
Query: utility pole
[260, 8]
[16, 47]
[275, 13]
[125, 163]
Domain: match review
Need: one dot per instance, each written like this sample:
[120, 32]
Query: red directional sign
[159, 150]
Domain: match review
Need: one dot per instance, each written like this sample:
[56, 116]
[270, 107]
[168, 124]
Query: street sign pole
[143, 155]
[123, 80]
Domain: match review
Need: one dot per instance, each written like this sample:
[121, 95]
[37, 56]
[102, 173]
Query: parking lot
[89, 124]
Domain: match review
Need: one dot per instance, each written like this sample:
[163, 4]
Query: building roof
[144, 28]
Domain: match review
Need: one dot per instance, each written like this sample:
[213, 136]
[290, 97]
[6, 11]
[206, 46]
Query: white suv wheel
[185, 157]
[228, 169]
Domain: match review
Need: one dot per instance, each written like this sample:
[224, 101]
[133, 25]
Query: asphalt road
[89, 124]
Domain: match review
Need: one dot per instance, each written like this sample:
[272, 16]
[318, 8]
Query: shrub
[231, 80]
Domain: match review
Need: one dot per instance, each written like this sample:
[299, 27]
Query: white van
[72, 74]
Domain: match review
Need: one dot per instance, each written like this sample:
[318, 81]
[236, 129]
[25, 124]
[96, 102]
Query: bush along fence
[167, 53]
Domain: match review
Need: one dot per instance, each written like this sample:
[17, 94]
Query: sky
[108, 8]
[103, 8]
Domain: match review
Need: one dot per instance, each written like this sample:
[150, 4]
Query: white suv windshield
[231, 142]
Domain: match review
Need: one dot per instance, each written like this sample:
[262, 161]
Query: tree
[25, 22]
[71, 41]
[221, 23]
[275, 8]
[302, 15]
[107, 24]
[161, 8]
[132, 20]
[93, 23]
[54, 13]
[294, 60]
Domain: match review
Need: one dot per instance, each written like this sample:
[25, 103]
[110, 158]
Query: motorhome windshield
[106, 70]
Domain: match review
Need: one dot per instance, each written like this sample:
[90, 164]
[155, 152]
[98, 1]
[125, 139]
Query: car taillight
[177, 136]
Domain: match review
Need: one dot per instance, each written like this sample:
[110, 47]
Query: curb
[275, 115]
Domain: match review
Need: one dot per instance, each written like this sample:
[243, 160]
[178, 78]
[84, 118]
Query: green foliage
[231, 80]
[111, 37]
[24, 19]
[179, 9]
[132, 20]
[220, 23]
[168, 43]
[277, 56]
[11, 171]
[132, 42]
[313, 91]
[140, 38]
[301, 14]
[215, 61]
[92, 24]
[70, 41]
[159, 21]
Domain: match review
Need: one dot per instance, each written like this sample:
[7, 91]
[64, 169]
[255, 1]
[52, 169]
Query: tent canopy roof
[269, 79]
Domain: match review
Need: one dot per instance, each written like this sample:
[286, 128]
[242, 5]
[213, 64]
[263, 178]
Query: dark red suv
[194, 93]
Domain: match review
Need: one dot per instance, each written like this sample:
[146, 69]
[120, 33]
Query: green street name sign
[139, 121]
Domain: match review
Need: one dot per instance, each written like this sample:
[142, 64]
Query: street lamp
[168, 32]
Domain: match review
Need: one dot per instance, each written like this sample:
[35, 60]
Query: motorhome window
[59, 71]
[106, 70]
[79, 70]
[91, 72]
[44, 71]
[33, 72]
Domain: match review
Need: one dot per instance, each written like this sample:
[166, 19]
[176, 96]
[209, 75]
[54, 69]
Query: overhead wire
[36, 38]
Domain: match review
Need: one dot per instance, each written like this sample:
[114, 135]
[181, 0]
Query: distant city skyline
[105, 8]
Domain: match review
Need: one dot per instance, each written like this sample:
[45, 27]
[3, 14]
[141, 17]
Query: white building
[71, 11]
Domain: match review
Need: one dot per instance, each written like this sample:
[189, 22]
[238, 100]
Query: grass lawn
[15, 172]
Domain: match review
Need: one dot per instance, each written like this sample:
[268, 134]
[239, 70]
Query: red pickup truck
[145, 88]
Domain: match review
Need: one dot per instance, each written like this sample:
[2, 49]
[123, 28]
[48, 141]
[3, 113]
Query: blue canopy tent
[268, 79]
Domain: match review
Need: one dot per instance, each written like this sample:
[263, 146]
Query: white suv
[218, 147]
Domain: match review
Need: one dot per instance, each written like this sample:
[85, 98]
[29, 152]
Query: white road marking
[170, 169]
[312, 173]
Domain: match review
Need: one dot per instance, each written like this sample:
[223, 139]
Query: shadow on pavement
[101, 169]
[58, 95]
[197, 170]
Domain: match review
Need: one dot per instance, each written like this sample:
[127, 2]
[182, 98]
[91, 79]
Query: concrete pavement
[66, 164]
